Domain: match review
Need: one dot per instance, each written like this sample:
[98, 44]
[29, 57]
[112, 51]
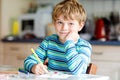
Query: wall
[0, 19]
[100, 7]
[96, 7]
[11, 9]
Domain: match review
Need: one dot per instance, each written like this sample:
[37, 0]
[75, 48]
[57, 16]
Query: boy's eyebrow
[58, 19]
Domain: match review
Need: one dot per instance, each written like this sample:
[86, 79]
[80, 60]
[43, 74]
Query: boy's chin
[62, 39]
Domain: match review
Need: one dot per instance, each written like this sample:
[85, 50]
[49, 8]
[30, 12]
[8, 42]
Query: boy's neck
[63, 41]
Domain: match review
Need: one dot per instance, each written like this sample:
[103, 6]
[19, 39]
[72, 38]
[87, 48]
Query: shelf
[112, 43]
[93, 42]
[24, 40]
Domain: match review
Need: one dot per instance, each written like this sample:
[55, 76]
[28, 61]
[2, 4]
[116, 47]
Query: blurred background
[25, 23]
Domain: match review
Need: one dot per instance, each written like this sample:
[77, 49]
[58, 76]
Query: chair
[92, 69]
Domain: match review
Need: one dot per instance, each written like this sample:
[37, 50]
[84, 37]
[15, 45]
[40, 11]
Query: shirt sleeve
[30, 61]
[77, 56]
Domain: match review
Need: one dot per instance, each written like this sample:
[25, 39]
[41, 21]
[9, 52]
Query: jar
[50, 29]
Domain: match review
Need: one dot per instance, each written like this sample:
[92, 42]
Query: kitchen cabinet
[1, 54]
[15, 53]
[107, 59]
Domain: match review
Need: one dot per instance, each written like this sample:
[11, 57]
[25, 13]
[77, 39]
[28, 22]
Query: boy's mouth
[62, 32]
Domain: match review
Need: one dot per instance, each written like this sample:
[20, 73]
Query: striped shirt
[69, 56]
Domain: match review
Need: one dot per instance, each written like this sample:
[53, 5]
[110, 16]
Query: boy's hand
[72, 36]
[39, 69]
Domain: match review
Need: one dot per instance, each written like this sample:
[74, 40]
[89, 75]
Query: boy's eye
[59, 22]
[71, 24]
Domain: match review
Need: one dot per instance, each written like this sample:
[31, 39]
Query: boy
[65, 51]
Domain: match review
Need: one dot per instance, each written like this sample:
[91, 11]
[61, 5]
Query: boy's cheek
[74, 30]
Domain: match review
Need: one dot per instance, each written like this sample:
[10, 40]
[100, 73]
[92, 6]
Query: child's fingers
[39, 69]
[46, 62]
[45, 66]
[43, 69]
[72, 36]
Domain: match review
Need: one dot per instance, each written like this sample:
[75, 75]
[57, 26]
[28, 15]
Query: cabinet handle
[98, 53]
[21, 57]
[14, 48]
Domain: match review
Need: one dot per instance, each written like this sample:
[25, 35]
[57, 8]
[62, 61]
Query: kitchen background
[102, 23]
[21, 21]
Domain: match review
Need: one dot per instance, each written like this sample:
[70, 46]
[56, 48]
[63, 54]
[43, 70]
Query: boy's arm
[78, 57]
[31, 60]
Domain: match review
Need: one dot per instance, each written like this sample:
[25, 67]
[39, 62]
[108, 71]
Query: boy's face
[64, 27]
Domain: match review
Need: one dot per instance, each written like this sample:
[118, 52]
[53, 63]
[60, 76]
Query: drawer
[17, 52]
[14, 59]
[32, 45]
[13, 48]
[106, 53]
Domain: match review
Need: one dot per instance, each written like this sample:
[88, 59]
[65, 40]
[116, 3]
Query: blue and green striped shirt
[71, 57]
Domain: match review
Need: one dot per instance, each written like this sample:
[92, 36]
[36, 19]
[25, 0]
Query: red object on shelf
[100, 29]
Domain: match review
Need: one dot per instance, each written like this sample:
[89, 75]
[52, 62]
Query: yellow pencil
[38, 59]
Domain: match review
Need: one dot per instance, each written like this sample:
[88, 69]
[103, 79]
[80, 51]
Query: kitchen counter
[94, 42]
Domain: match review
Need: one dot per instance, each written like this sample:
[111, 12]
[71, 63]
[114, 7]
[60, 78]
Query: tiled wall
[100, 7]
[94, 7]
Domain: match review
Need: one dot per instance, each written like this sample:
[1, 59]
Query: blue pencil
[23, 71]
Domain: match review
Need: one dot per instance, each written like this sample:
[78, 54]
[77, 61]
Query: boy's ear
[81, 25]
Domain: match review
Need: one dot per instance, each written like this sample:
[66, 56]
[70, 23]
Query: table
[52, 76]
[11, 73]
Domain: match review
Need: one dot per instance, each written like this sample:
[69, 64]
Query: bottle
[15, 28]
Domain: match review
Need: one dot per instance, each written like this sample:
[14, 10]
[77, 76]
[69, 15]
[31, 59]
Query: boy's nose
[65, 27]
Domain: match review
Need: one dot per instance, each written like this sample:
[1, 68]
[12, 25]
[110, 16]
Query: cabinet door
[1, 54]
[15, 53]
[107, 53]
[107, 59]
[32, 45]
[111, 69]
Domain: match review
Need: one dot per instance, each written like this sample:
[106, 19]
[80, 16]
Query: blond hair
[69, 9]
